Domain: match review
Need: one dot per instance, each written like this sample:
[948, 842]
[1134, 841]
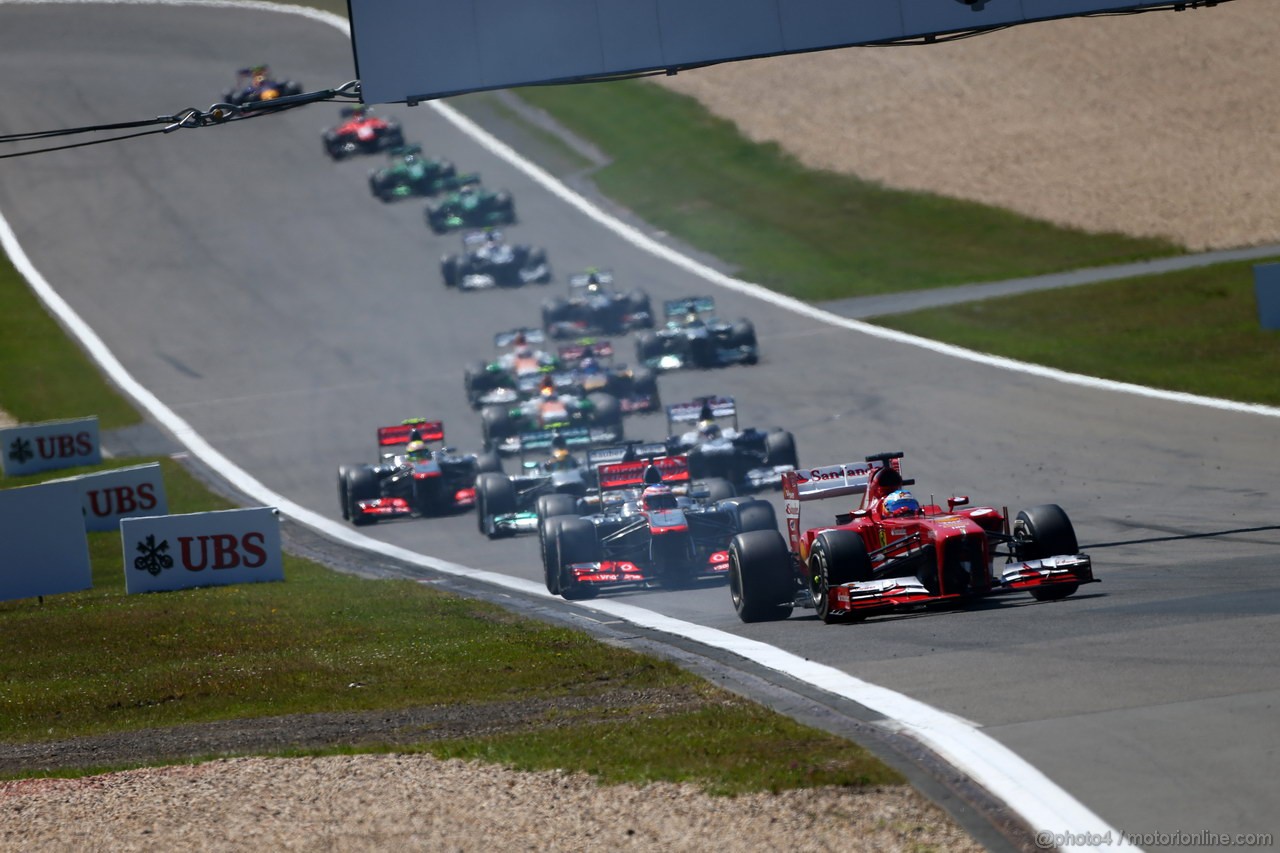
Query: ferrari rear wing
[397, 436]
[828, 481]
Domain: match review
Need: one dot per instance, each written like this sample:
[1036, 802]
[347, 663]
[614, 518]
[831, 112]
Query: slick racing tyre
[761, 581]
[1045, 531]
[576, 542]
[838, 557]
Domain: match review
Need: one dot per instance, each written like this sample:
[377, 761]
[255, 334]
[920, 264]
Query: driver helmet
[560, 459]
[417, 451]
[658, 497]
[708, 428]
[901, 503]
[524, 351]
[548, 387]
[589, 365]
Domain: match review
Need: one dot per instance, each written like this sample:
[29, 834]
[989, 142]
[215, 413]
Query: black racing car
[694, 337]
[749, 458]
[471, 206]
[411, 478]
[512, 505]
[487, 260]
[645, 531]
[552, 410]
[588, 366]
[593, 307]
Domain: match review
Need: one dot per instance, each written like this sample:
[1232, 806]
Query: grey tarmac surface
[262, 293]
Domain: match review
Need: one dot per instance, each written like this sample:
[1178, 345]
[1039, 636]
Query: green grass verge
[821, 236]
[814, 235]
[104, 661]
[1195, 331]
[47, 377]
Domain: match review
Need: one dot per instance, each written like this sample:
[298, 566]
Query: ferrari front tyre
[838, 557]
[760, 576]
[1045, 531]
[576, 542]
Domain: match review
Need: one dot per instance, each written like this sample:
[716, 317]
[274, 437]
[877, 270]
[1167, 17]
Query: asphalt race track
[261, 292]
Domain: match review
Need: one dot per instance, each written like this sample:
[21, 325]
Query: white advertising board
[47, 446]
[414, 50]
[169, 552]
[108, 496]
[43, 550]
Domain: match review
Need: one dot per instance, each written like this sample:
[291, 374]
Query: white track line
[1041, 803]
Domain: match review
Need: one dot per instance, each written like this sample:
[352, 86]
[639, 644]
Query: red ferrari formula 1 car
[893, 553]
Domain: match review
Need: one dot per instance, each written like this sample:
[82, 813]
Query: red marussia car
[361, 132]
[892, 553]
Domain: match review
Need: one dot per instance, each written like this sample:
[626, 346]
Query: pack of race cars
[553, 459]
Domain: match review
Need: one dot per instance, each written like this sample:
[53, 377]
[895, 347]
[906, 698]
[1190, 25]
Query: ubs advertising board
[50, 445]
[169, 552]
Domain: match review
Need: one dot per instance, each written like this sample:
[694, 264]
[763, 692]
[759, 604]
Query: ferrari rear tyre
[760, 576]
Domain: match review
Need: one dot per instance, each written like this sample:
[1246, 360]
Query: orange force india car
[891, 553]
